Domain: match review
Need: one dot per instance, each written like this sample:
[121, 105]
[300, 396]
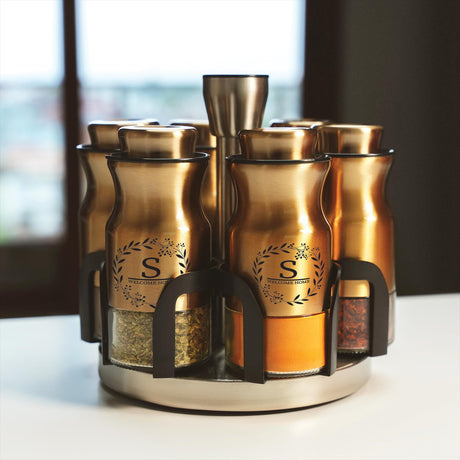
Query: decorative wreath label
[139, 292]
[301, 252]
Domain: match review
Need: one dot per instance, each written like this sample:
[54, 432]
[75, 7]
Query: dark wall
[396, 63]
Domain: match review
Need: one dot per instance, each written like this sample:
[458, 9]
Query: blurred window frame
[25, 295]
[40, 277]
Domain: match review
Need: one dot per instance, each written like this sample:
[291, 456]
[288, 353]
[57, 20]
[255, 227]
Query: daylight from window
[31, 131]
[142, 58]
[136, 58]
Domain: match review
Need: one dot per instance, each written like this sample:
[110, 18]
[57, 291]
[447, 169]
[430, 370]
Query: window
[147, 58]
[32, 157]
[136, 59]
[31, 128]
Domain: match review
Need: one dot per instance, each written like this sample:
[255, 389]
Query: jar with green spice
[156, 232]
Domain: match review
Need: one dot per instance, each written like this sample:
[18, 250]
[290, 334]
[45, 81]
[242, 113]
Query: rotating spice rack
[212, 386]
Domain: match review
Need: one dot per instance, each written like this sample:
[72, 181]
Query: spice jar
[361, 221]
[156, 232]
[279, 242]
[206, 142]
[98, 201]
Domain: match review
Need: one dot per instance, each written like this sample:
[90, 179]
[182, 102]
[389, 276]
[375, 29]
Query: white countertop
[52, 405]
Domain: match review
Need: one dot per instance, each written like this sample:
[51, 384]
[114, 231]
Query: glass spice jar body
[361, 221]
[156, 232]
[280, 242]
[99, 198]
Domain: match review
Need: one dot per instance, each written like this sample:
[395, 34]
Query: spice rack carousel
[212, 386]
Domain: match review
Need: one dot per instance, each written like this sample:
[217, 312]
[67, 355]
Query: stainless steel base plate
[214, 388]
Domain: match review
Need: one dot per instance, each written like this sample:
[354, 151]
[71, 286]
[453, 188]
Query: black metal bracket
[224, 283]
[332, 319]
[105, 311]
[353, 269]
[219, 282]
[90, 265]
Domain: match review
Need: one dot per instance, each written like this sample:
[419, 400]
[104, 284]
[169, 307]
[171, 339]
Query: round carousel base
[214, 388]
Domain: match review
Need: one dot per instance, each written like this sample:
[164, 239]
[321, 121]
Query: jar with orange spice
[280, 242]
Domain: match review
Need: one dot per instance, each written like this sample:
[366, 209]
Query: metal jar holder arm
[218, 282]
[332, 317]
[105, 310]
[90, 265]
[353, 269]
[225, 284]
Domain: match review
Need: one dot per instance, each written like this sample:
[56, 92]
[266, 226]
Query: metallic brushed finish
[206, 142]
[157, 213]
[94, 212]
[354, 200]
[349, 138]
[98, 201]
[233, 103]
[278, 143]
[279, 242]
[205, 137]
[104, 133]
[214, 388]
[158, 141]
[279, 203]
[298, 123]
[361, 220]
[99, 198]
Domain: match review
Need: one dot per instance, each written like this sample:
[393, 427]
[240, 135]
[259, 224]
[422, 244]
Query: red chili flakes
[353, 328]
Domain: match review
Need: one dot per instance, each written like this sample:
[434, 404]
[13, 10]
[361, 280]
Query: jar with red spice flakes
[362, 225]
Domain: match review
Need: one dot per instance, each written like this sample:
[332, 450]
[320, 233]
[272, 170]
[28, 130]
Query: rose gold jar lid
[298, 123]
[158, 141]
[205, 137]
[349, 138]
[104, 133]
[278, 143]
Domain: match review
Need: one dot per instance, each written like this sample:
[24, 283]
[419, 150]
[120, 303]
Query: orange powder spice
[292, 344]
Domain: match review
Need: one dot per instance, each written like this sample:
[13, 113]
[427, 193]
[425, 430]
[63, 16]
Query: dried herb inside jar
[132, 337]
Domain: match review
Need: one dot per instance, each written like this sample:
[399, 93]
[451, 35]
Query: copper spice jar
[279, 242]
[361, 220]
[156, 232]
